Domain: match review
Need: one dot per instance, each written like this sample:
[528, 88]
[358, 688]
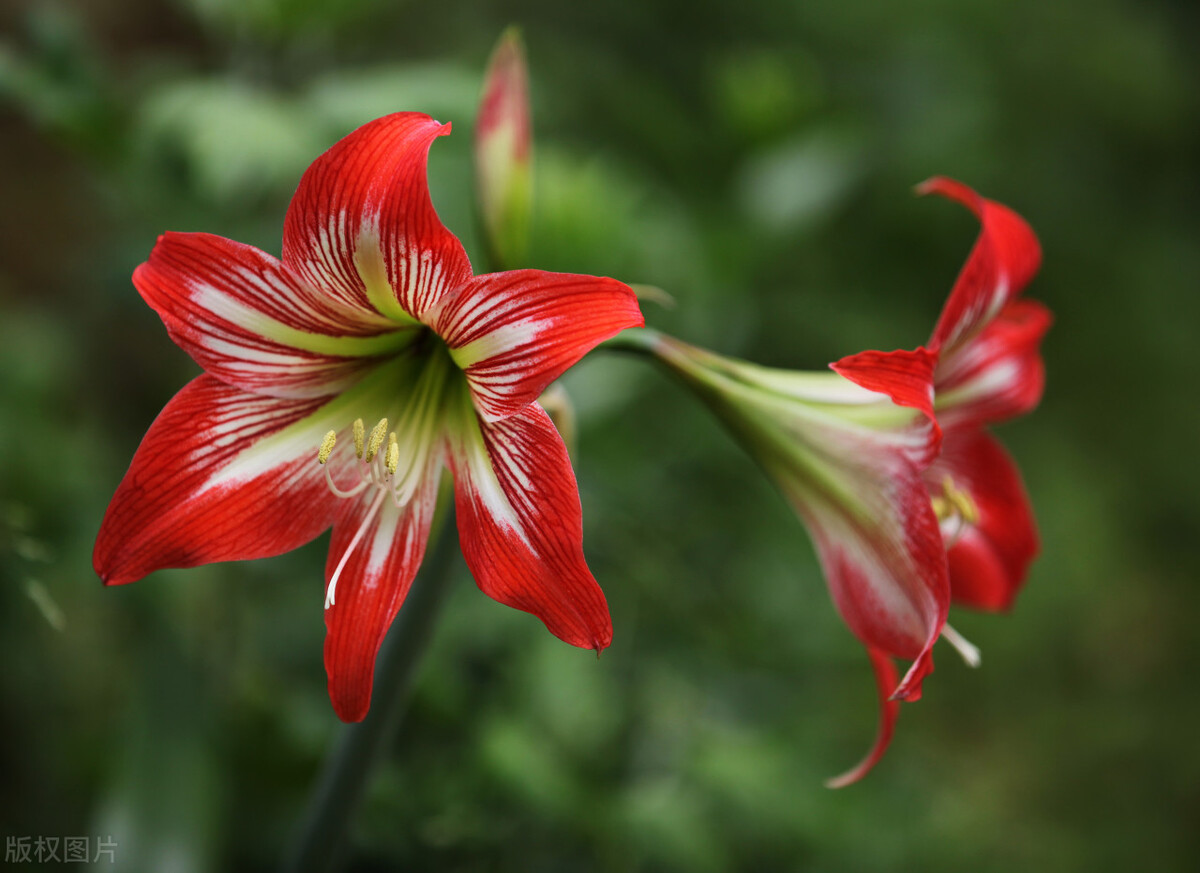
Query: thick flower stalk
[340, 380]
[910, 503]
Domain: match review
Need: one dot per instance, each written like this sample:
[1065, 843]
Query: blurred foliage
[754, 160]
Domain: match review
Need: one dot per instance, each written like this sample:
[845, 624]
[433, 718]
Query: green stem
[320, 845]
[641, 340]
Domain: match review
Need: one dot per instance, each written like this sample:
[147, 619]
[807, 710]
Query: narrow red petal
[886, 679]
[362, 225]
[520, 525]
[1005, 258]
[998, 374]
[172, 509]
[905, 376]
[989, 562]
[379, 548]
[246, 320]
[514, 333]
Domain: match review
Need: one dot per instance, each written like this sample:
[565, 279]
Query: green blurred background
[754, 159]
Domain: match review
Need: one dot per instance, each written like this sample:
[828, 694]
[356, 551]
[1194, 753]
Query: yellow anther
[326, 446]
[359, 437]
[377, 434]
[393, 453]
[941, 508]
[955, 502]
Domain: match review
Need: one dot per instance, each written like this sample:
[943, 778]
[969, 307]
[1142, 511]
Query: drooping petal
[990, 559]
[362, 225]
[376, 550]
[520, 524]
[1004, 259]
[889, 710]
[249, 322]
[904, 376]
[883, 558]
[173, 509]
[514, 333]
[998, 373]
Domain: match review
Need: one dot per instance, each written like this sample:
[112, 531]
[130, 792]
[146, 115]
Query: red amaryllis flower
[982, 365]
[987, 367]
[371, 348]
[908, 501]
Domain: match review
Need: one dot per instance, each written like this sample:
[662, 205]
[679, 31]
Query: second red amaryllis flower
[340, 381]
[909, 502]
[984, 366]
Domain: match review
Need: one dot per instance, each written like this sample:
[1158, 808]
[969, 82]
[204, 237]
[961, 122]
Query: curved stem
[319, 845]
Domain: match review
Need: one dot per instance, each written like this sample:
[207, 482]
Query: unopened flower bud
[503, 146]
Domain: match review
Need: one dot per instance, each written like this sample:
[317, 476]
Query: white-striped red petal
[514, 333]
[520, 525]
[881, 549]
[1005, 257]
[362, 225]
[378, 548]
[997, 374]
[252, 324]
[205, 485]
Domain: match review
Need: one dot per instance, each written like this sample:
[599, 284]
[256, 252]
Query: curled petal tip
[889, 709]
[952, 189]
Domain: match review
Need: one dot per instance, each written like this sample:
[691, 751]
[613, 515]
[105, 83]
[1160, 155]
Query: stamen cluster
[374, 469]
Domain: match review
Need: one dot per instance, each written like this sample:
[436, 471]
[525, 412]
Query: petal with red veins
[889, 709]
[1005, 258]
[904, 376]
[520, 524]
[990, 559]
[514, 333]
[252, 324]
[377, 547]
[168, 513]
[884, 561]
[998, 373]
[226, 475]
[362, 226]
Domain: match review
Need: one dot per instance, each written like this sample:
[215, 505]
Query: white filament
[358, 535]
[970, 653]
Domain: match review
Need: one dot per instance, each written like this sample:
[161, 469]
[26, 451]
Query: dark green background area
[756, 161]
